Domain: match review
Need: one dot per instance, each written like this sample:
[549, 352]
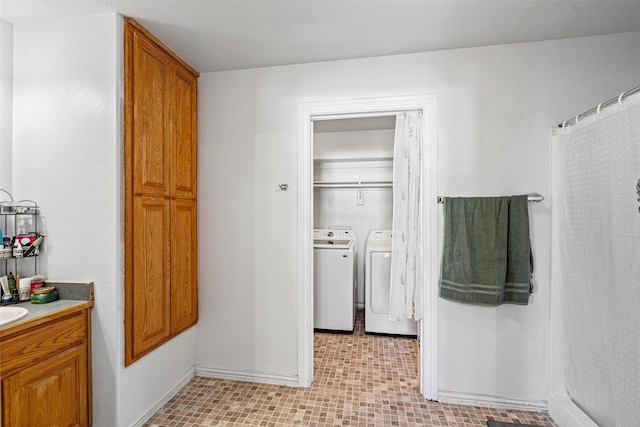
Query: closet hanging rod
[535, 197]
[599, 107]
[353, 184]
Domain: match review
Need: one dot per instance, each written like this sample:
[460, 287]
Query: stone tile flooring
[360, 380]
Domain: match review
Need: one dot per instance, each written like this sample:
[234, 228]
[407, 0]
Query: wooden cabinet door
[51, 393]
[150, 80]
[182, 132]
[149, 293]
[160, 193]
[184, 268]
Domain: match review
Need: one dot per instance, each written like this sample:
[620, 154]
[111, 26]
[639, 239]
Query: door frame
[308, 112]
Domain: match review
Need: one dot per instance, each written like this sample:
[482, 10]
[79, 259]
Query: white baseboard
[247, 376]
[488, 401]
[565, 413]
[148, 412]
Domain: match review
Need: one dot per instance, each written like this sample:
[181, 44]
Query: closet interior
[353, 171]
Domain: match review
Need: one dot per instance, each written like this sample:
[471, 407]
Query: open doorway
[375, 110]
[353, 173]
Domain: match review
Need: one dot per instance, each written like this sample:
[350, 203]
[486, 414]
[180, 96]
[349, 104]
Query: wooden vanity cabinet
[46, 372]
[160, 193]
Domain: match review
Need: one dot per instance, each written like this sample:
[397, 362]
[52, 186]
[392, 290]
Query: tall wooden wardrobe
[161, 290]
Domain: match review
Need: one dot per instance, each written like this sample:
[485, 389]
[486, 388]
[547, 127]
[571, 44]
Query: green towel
[487, 250]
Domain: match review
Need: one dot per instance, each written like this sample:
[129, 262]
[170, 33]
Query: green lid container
[44, 298]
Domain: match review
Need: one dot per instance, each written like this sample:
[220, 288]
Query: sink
[11, 314]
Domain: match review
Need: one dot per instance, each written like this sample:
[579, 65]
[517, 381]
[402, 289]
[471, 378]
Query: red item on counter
[37, 282]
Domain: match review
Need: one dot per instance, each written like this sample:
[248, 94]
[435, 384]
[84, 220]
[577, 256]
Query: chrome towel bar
[535, 197]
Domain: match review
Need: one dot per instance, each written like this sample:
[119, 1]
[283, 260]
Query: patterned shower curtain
[596, 192]
[406, 248]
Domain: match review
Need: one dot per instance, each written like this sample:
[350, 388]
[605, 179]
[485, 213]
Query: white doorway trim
[357, 108]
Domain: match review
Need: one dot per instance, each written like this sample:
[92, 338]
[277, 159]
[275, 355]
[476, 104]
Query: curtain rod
[535, 197]
[595, 110]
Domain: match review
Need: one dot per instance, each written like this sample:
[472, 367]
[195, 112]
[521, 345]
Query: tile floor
[360, 380]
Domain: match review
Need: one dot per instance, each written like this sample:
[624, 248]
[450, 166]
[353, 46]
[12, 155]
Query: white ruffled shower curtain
[596, 187]
[406, 249]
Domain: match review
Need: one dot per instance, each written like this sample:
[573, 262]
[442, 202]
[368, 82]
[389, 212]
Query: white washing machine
[377, 278]
[335, 261]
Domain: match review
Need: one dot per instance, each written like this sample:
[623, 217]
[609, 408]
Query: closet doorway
[353, 173]
[375, 115]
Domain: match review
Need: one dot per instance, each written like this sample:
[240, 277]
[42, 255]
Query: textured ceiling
[216, 35]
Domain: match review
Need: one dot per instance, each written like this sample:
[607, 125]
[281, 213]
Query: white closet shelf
[354, 160]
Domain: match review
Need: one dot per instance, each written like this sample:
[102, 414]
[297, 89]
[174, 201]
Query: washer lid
[379, 235]
[379, 240]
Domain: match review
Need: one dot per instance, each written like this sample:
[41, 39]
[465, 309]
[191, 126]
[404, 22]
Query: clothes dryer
[335, 262]
[377, 279]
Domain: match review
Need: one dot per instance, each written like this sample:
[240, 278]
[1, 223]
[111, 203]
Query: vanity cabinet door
[50, 393]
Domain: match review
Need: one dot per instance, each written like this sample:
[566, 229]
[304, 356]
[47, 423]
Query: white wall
[495, 108]
[68, 143]
[6, 106]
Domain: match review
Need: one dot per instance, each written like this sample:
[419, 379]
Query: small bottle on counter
[24, 288]
[13, 289]
[6, 294]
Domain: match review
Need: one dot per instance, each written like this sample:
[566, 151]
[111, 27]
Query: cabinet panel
[151, 273]
[182, 120]
[160, 193]
[184, 270]
[51, 393]
[151, 170]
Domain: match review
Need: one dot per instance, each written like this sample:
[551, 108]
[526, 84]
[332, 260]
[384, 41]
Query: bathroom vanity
[45, 357]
